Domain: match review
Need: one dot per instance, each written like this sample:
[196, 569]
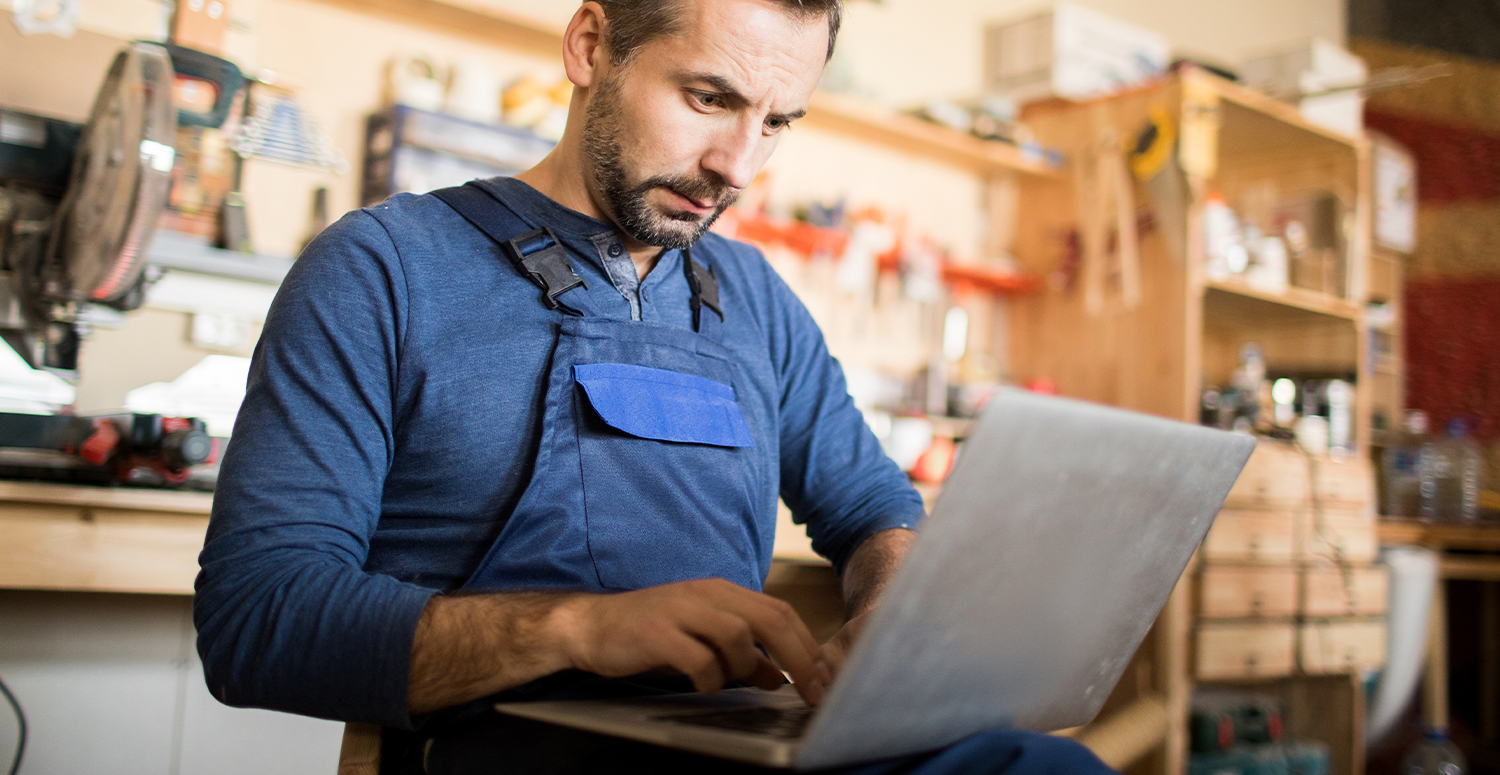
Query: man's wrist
[871, 567]
[563, 628]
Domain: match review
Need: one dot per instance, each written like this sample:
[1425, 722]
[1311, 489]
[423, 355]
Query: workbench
[100, 539]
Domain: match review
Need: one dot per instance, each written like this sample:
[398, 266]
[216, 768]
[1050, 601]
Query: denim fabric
[481, 743]
[664, 405]
[393, 419]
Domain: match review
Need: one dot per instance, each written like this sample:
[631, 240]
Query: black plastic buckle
[705, 287]
[541, 257]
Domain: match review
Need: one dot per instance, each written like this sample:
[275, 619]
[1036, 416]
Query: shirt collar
[579, 231]
[536, 207]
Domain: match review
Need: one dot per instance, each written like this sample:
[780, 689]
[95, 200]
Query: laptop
[1055, 542]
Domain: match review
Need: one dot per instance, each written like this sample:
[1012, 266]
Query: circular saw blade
[121, 177]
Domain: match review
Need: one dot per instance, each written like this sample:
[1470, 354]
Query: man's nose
[735, 154]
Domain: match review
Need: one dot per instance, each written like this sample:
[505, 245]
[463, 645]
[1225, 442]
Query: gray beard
[602, 129]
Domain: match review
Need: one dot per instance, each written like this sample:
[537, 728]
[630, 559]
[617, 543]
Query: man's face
[676, 134]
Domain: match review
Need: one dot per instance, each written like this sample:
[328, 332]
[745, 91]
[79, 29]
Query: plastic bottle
[1468, 463]
[1435, 754]
[1403, 483]
[1450, 470]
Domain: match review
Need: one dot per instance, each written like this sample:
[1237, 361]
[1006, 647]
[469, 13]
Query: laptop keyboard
[776, 722]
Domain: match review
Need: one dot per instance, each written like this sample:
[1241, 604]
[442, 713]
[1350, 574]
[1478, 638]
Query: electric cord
[15, 763]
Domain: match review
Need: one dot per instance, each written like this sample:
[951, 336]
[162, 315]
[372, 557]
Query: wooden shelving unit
[1156, 353]
[1290, 306]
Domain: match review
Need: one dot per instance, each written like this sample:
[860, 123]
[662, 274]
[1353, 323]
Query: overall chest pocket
[669, 477]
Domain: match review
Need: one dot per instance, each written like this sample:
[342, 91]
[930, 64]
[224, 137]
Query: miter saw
[78, 207]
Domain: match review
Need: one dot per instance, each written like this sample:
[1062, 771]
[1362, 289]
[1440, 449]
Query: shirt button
[644, 297]
[614, 250]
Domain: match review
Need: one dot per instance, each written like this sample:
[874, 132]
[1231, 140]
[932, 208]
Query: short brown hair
[631, 24]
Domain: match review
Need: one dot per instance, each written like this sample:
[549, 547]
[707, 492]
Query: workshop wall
[1452, 127]
[902, 52]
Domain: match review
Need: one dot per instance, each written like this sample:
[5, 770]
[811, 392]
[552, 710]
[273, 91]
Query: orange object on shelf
[934, 464]
[983, 278]
[804, 238]
[809, 240]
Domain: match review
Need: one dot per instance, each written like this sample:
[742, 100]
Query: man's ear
[583, 45]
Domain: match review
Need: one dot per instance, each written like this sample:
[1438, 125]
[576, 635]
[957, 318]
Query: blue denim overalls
[645, 473]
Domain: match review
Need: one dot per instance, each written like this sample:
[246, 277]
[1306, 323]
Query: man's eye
[777, 124]
[708, 100]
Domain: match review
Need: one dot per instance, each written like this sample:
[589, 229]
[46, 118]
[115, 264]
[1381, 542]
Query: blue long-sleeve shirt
[392, 412]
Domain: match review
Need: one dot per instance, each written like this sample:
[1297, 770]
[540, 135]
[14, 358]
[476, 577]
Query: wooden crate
[1240, 591]
[1238, 650]
[1240, 535]
[1328, 646]
[1359, 591]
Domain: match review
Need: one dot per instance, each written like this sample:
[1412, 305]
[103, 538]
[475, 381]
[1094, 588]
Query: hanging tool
[1154, 163]
[1106, 193]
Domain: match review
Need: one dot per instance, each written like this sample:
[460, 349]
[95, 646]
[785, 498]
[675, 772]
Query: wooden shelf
[1233, 300]
[1483, 536]
[922, 138]
[1254, 124]
[466, 18]
[833, 112]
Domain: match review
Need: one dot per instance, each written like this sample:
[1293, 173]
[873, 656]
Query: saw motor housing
[69, 244]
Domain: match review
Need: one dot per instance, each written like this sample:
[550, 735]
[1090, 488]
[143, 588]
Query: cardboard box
[1320, 77]
[1070, 52]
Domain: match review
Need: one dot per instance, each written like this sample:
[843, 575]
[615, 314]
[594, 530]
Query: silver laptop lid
[1058, 537]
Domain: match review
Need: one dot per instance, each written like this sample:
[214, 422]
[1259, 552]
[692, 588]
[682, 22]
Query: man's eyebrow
[722, 85]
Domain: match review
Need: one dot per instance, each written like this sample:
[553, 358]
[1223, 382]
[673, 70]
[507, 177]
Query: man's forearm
[471, 646]
[871, 567]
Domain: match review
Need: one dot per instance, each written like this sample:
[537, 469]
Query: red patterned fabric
[1454, 163]
[1453, 351]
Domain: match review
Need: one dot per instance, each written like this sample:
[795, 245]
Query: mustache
[708, 188]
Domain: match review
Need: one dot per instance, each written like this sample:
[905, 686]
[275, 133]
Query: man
[448, 483]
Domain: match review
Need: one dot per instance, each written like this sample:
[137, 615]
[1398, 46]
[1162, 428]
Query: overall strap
[705, 288]
[538, 254]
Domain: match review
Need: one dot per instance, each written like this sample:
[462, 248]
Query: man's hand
[836, 650]
[705, 629]
[467, 647]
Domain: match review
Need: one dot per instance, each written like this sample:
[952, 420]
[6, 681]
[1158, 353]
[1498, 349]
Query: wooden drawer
[1327, 591]
[1275, 477]
[1347, 537]
[1250, 536]
[1278, 476]
[1346, 484]
[1228, 592]
[1341, 646]
[1224, 650]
